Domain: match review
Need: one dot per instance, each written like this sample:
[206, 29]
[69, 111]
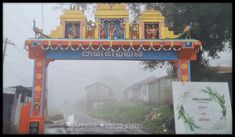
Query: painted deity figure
[90, 28]
[154, 32]
[102, 32]
[148, 32]
[134, 30]
[73, 31]
[122, 30]
[111, 30]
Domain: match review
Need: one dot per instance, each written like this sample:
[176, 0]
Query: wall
[7, 107]
[155, 93]
[98, 92]
[166, 91]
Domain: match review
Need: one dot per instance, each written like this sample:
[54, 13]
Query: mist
[67, 79]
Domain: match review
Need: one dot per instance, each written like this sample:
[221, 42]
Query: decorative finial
[111, 5]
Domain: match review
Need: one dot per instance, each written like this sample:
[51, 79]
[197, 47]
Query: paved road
[85, 124]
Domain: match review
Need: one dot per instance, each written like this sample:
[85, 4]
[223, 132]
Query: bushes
[159, 125]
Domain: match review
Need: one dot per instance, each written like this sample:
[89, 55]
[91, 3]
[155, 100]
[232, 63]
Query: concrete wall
[97, 95]
[155, 92]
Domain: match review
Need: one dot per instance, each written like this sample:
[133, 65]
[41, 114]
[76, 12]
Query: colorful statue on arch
[101, 28]
[121, 34]
[90, 29]
[72, 29]
[134, 30]
[151, 30]
[112, 28]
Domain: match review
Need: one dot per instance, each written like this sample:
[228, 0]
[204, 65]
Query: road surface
[85, 124]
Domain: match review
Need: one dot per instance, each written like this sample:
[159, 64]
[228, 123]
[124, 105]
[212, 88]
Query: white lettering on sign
[102, 53]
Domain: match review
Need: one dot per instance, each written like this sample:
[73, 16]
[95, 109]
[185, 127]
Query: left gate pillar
[37, 116]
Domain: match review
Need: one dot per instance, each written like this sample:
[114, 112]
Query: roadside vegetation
[124, 112]
[121, 112]
[164, 123]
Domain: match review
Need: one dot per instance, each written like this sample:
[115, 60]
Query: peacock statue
[186, 31]
[38, 32]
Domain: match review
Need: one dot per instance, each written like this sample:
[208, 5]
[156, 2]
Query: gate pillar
[37, 116]
[183, 70]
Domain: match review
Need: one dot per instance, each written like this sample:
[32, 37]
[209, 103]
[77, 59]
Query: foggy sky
[63, 85]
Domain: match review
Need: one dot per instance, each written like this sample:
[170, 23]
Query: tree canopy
[212, 25]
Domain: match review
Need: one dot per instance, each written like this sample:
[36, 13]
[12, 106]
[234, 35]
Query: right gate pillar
[185, 56]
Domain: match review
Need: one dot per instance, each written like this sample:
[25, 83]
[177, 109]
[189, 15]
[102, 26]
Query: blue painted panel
[188, 44]
[111, 55]
[179, 73]
[189, 70]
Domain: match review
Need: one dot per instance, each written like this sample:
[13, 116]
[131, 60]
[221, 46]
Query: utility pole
[6, 41]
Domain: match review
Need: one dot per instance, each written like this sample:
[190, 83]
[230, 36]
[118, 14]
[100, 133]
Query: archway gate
[110, 38]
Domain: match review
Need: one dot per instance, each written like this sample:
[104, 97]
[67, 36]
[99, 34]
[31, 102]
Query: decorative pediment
[72, 20]
[155, 18]
[111, 10]
[151, 16]
[74, 24]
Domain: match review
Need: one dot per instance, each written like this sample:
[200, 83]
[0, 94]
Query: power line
[82, 75]
[16, 26]
[22, 15]
[89, 76]
[21, 64]
[17, 61]
[20, 50]
[6, 42]
[42, 18]
[79, 74]
[16, 75]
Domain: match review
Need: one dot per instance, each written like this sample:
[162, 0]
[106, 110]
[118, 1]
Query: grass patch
[121, 112]
[158, 125]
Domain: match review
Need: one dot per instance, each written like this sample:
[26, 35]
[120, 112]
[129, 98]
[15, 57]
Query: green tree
[81, 6]
[212, 25]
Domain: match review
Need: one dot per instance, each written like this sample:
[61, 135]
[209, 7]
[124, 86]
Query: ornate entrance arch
[110, 37]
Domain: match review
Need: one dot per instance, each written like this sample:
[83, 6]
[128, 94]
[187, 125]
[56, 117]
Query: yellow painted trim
[127, 30]
[140, 31]
[105, 6]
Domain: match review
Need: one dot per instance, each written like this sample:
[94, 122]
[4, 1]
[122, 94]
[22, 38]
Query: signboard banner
[202, 108]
